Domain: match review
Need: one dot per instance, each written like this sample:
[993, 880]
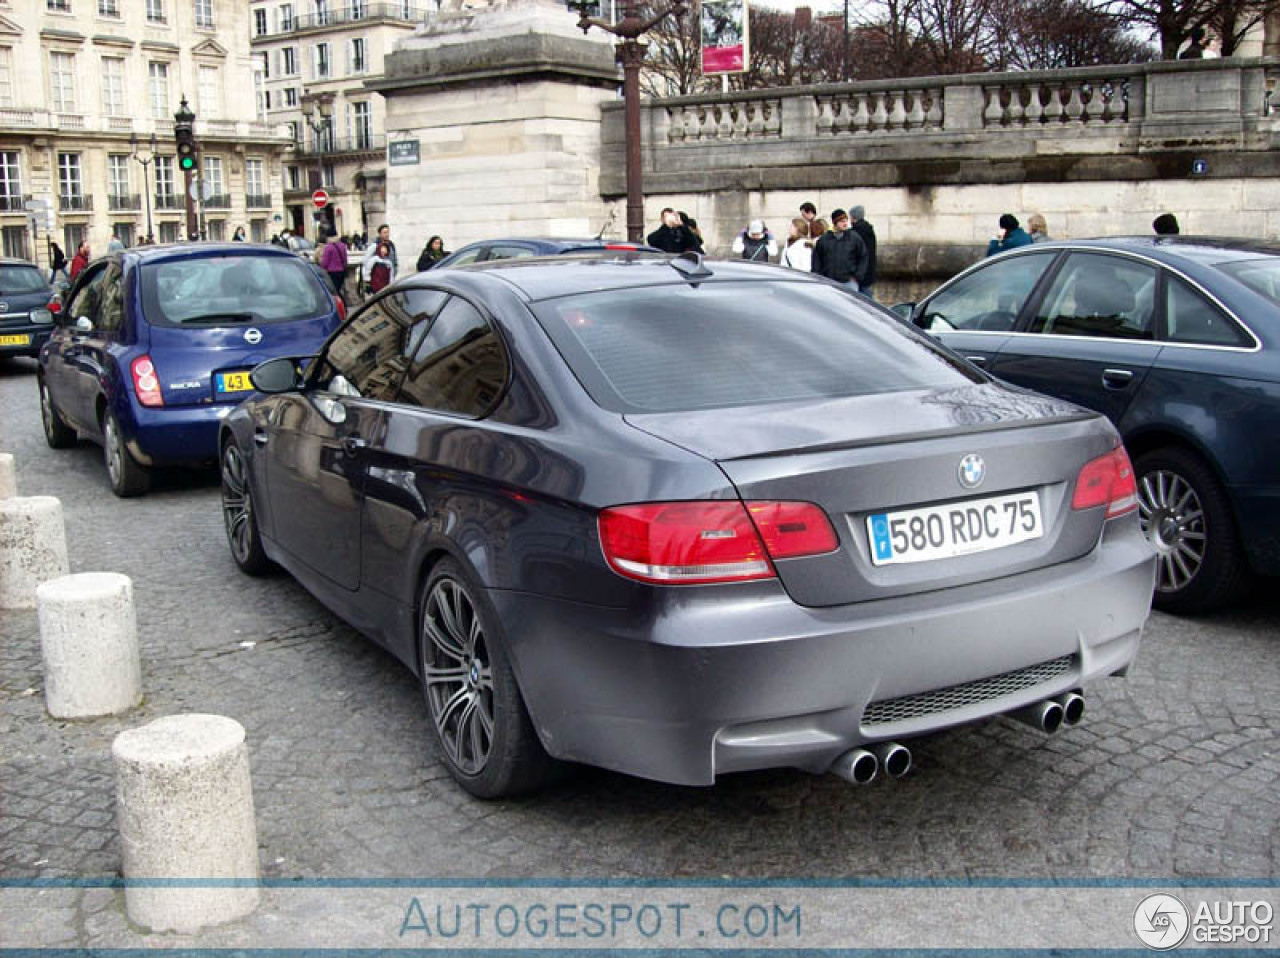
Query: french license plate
[233, 382]
[15, 340]
[954, 529]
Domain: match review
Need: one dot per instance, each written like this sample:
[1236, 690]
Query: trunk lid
[864, 456]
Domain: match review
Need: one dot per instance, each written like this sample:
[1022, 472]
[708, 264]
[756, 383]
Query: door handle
[978, 360]
[1117, 378]
[260, 436]
[352, 445]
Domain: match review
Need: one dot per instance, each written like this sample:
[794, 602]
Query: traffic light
[188, 151]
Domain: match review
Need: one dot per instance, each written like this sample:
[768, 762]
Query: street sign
[38, 203]
[320, 198]
[403, 153]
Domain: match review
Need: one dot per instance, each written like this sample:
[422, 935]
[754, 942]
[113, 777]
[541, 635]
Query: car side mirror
[278, 375]
[903, 310]
[84, 324]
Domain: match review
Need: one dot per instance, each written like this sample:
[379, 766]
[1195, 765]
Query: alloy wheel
[1172, 518]
[46, 410]
[114, 451]
[458, 675]
[237, 504]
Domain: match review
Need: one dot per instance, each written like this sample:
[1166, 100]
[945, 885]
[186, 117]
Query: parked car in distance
[27, 305]
[1177, 341]
[486, 251]
[616, 510]
[154, 347]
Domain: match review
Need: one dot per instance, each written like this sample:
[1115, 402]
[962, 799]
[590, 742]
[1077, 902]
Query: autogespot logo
[1161, 922]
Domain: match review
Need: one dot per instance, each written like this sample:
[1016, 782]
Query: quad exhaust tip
[1072, 708]
[1047, 716]
[861, 766]
[895, 759]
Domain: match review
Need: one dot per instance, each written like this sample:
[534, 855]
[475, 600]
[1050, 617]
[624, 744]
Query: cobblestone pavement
[1173, 773]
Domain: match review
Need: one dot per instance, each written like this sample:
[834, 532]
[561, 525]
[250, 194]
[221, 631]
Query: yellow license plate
[234, 382]
[15, 340]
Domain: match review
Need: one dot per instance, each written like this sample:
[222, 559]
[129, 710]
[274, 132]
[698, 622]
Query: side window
[460, 366]
[87, 299]
[1190, 318]
[509, 252]
[468, 256]
[987, 299]
[369, 356]
[1102, 296]
[417, 307]
[111, 309]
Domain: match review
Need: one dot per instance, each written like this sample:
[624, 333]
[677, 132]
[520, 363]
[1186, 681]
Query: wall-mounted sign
[726, 37]
[403, 153]
[1199, 167]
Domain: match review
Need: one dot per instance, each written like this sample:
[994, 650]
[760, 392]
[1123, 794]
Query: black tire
[1185, 514]
[56, 431]
[482, 729]
[238, 515]
[128, 477]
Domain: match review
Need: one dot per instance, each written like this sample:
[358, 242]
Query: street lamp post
[317, 112]
[631, 55]
[145, 159]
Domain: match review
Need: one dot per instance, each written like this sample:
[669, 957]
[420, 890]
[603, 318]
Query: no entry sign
[320, 198]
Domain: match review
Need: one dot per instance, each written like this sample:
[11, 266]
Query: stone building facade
[315, 57]
[88, 90]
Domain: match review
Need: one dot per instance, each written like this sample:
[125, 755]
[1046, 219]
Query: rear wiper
[215, 318]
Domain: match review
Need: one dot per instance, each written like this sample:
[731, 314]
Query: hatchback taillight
[342, 308]
[146, 384]
[1107, 480]
[55, 305]
[710, 541]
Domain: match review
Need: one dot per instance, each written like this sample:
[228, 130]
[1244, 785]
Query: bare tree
[1172, 21]
[1056, 34]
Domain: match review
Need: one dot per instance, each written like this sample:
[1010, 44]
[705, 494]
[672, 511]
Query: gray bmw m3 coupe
[679, 518]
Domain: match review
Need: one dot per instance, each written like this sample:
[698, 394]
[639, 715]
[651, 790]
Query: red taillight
[342, 308]
[55, 305]
[1107, 480]
[629, 247]
[145, 383]
[704, 542]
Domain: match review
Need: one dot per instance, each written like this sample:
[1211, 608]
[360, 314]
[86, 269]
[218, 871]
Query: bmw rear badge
[253, 337]
[972, 471]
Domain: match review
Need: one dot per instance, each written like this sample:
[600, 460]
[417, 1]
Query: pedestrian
[1039, 228]
[379, 268]
[867, 233]
[115, 244]
[689, 223]
[58, 264]
[80, 260]
[384, 239]
[238, 235]
[1195, 48]
[1166, 224]
[799, 251]
[756, 243]
[840, 254]
[673, 236]
[431, 254]
[1011, 237]
[808, 212]
[333, 260]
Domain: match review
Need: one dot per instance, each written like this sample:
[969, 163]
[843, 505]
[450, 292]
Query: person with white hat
[756, 243]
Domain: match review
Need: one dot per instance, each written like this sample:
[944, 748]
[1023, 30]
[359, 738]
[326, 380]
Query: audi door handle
[353, 444]
[977, 360]
[1117, 378]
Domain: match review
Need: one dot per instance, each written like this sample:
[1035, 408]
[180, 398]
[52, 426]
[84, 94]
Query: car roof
[546, 277]
[1204, 250]
[15, 261]
[170, 251]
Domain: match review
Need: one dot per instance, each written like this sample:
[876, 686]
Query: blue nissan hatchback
[155, 344]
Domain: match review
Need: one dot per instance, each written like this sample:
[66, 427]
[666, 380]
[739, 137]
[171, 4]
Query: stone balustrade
[27, 120]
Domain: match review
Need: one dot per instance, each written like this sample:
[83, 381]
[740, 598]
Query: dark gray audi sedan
[680, 519]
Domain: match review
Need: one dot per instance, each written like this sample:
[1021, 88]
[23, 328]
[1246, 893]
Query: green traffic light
[188, 163]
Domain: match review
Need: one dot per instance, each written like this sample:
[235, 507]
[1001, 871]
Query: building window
[123, 232]
[15, 242]
[210, 94]
[108, 8]
[286, 17]
[158, 84]
[164, 177]
[204, 13]
[260, 22]
[322, 12]
[217, 230]
[357, 61]
[118, 174]
[327, 175]
[362, 124]
[155, 11]
[255, 183]
[264, 97]
[70, 185]
[58, 6]
[170, 233]
[62, 82]
[293, 177]
[264, 64]
[324, 136]
[321, 60]
[290, 55]
[10, 182]
[290, 96]
[6, 76]
[112, 86]
[356, 9]
[257, 231]
[295, 131]
[213, 174]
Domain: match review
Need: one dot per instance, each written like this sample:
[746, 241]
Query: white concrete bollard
[89, 641]
[8, 482]
[185, 810]
[33, 548]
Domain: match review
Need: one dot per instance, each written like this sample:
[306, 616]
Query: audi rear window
[1260, 275]
[683, 347]
[232, 290]
[15, 280]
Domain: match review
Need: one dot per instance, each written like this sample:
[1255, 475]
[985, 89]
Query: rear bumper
[176, 435]
[1258, 519]
[743, 678]
[36, 337]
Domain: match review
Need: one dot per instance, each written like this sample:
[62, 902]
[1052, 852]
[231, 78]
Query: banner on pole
[726, 37]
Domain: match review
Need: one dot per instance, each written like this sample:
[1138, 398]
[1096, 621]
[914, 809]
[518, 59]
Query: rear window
[15, 280]
[230, 290]
[678, 348]
[1260, 275]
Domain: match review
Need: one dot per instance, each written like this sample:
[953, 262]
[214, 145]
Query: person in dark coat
[867, 233]
[1166, 224]
[58, 264]
[431, 254]
[840, 253]
[1013, 236]
[673, 236]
